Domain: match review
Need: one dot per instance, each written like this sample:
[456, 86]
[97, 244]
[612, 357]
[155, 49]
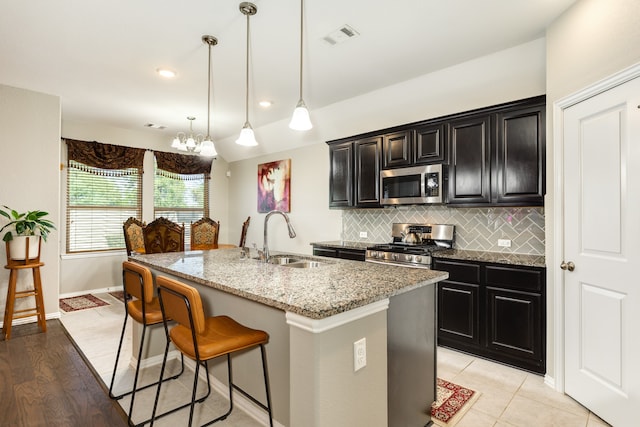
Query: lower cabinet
[494, 311]
[344, 253]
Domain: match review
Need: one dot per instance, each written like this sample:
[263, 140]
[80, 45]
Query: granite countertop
[332, 288]
[344, 244]
[495, 257]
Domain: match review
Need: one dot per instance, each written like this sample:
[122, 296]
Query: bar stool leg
[37, 286]
[11, 299]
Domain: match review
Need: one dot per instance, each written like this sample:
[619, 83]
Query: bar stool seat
[204, 338]
[15, 266]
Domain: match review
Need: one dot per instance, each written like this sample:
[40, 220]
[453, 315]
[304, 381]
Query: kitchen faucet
[264, 256]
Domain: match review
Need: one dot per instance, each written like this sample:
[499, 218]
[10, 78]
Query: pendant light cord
[301, 31]
[246, 99]
[209, 94]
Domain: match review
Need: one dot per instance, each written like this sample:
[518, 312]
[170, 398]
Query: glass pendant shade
[175, 143]
[247, 137]
[207, 149]
[300, 119]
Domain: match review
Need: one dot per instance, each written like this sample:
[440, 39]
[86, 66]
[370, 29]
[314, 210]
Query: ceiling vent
[340, 35]
[154, 126]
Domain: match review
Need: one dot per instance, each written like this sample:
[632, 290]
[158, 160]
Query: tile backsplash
[476, 228]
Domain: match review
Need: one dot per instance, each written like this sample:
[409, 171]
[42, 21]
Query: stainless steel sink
[294, 262]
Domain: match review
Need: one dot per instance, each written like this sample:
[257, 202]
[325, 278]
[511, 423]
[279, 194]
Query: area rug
[452, 402]
[81, 302]
[117, 295]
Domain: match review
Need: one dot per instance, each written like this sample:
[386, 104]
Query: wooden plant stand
[15, 266]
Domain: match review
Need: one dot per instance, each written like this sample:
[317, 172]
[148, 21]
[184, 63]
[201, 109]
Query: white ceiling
[101, 57]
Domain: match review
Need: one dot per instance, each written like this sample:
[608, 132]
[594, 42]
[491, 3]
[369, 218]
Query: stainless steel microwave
[415, 185]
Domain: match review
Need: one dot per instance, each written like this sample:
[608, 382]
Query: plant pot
[18, 247]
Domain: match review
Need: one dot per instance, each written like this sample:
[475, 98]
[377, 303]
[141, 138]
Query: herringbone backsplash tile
[476, 228]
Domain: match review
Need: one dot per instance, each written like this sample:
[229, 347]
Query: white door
[602, 240]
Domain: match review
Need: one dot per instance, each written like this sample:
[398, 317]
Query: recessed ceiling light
[154, 126]
[265, 104]
[166, 73]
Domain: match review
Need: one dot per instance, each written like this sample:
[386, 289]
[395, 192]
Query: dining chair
[144, 308]
[243, 234]
[204, 234]
[163, 235]
[203, 338]
[133, 238]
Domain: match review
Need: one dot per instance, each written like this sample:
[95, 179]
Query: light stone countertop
[332, 288]
[495, 257]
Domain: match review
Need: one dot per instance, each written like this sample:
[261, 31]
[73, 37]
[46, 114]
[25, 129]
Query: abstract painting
[274, 184]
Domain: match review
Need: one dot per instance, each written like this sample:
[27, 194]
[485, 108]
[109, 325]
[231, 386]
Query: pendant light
[247, 137]
[301, 119]
[184, 142]
[207, 149]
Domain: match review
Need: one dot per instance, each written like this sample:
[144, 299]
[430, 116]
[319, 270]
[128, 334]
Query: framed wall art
[274, 186]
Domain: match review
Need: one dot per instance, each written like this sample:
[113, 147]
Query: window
[99, 201]
[180, 198]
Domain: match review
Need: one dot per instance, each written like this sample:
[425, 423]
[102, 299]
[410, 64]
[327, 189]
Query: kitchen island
[314, 316]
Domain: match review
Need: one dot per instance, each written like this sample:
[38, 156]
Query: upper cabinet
[495, 157]
[498, 156]
[354, 175]
[422, 144]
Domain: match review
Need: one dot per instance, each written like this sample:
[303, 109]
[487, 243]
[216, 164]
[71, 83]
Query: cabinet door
[514, 332]
[329, 252]
[430, 144]
[458, 314]
[520, 157]
[397, 149]
[469, 171]
[367, 171]
[341, 175]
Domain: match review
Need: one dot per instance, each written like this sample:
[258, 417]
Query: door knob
[568, 266]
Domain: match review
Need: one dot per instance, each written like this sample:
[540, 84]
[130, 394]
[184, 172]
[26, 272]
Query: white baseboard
[32, 319]
[91, 291]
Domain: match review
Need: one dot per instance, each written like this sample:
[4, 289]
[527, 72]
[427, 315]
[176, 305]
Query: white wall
[29, 170]
[508, 75]
[590, 41]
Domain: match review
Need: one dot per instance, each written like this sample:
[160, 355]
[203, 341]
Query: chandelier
[199, 144]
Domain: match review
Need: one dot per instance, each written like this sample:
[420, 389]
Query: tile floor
[509, 397]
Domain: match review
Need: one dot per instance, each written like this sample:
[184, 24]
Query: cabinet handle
[568, 266]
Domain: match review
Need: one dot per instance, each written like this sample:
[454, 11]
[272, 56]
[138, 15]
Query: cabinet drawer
[459, 271]
[514, 278]
[333, 253]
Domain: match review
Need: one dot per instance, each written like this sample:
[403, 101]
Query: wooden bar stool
[15, 265]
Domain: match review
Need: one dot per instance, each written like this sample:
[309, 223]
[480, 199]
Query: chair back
[181, 303]
[243, 235]
[204, 234]
[133, 238]
[137, 281]
[163, 235]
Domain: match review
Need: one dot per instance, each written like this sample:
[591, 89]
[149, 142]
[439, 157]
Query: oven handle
[398, 264]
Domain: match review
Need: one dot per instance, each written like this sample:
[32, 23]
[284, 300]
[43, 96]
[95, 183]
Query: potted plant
[30, 225]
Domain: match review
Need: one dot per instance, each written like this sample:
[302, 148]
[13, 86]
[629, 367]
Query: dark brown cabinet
[397, 149]
[420, 145]
[498, 156]
[354, 173]
[343, 253]
[493, 310]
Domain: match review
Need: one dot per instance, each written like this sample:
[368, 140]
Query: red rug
[81, 302]
[452, 402]
[118, 295]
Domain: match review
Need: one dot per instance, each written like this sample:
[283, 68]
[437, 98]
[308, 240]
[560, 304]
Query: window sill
[118, 253]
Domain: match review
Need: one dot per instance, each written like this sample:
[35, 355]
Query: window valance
[181, 164]
[105, 156]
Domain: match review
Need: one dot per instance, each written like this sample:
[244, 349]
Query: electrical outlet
[505, 243]
[364, 234]
[359, 354]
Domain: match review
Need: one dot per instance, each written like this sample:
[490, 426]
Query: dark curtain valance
[105, 156]
[182, 164]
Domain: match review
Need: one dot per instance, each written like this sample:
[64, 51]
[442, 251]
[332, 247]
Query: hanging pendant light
[207, 149]
[247, 137]
[300, 119]
[184, 142]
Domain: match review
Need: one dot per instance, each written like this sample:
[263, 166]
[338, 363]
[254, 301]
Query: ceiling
[101, 57]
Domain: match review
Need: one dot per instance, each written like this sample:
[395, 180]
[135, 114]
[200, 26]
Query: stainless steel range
[412, 245]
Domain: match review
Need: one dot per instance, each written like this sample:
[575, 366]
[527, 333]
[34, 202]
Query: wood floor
[44, 381]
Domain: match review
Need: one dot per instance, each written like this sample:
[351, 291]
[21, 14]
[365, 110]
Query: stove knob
[417, 258]
[395, 257]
